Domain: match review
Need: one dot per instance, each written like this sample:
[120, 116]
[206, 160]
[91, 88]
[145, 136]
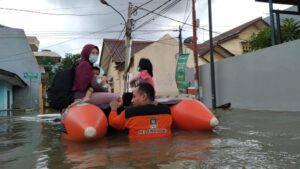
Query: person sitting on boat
[144, 119]
[100, 78]
[85, 80]
[145, 74]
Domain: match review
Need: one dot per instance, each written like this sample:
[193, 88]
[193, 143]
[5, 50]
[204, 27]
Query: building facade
[16, 57]
[8, 83]
[164, 53]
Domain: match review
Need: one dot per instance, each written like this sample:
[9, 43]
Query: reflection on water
[244, 139]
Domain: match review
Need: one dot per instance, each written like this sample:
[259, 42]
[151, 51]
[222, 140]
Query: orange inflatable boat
[191, 114]
[84, 122]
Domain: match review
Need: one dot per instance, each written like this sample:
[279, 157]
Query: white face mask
[93, 58]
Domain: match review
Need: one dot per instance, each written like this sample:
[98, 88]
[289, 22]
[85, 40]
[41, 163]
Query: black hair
[148, 89]
[145, 64]
[96, 68]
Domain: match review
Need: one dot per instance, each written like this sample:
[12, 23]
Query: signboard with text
[31, 75]
[180, 71]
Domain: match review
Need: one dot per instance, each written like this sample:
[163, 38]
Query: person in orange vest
[145, 118]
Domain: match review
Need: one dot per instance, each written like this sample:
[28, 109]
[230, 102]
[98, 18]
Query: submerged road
[244, 139]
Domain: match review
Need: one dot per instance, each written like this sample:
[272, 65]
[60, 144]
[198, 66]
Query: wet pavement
[244, 139]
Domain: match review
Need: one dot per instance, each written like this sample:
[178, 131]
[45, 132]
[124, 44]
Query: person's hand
[103, 79]
[86, 99]
[114, 105]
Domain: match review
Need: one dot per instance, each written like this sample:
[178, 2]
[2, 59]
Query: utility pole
[128, 43]
[212, 61]
[180, 40]
[196, 78]
[272, 23]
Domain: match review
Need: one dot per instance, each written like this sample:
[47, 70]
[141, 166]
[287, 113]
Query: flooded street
[244, 139]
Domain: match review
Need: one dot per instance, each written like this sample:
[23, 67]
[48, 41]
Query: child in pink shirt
[145, 74]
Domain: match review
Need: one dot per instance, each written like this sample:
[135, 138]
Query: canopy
[285, 2]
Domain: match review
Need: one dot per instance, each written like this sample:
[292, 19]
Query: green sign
[183, 84]
[180, 71]
[31, 75]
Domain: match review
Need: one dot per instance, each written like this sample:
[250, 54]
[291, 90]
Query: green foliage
[66, 62]
[261, 40]
[48, 63]
[290, 30]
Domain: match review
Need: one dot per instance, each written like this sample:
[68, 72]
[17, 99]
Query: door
[8, 100]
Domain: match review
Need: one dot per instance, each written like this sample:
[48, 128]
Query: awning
[12, 78]
[285, 2]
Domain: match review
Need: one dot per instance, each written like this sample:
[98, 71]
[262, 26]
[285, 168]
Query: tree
[66, 62]
[260, 40]
[290, 30]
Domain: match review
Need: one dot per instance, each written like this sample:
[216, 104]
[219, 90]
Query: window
[246, 46]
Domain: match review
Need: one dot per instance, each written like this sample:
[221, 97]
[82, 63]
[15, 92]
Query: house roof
[231, 34]
[12, 78]
[46, 53]
[117, 48]
[287, 2]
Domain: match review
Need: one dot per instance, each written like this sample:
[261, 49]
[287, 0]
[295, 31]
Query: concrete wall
[267, 79]
[16, 56]
[4, 87]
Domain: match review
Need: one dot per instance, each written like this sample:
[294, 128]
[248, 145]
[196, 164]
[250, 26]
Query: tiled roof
[235, 31]
[204, 47]
[117, 48]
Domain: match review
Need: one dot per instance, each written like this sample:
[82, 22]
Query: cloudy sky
[64, 26]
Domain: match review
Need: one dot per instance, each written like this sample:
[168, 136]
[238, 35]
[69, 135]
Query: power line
[115, 47]
[186, 7]
[152, 10]
[185, 13]
[57, 14]
[165, 16]
[142, 5]
[156, 16]
[160, 14]
[81, 36]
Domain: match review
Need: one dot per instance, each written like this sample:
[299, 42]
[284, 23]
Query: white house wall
[163, 55]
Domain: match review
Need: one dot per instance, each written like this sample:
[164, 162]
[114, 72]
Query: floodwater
[244, 139]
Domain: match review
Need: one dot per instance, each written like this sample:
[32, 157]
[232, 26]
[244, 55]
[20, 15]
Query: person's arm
[115, 120]
[97, 87]
[88, 94]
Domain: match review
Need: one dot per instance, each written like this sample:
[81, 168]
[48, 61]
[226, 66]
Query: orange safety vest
[147, 121]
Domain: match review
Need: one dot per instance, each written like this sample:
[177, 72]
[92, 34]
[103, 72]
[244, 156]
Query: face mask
[93, 58]
[138, 69]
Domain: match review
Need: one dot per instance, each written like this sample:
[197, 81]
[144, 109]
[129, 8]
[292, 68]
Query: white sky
[68, 34]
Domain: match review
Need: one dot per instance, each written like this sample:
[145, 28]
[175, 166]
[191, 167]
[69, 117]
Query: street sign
[181, 66]
[183, 84]
[180, 71]
[31, 75]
